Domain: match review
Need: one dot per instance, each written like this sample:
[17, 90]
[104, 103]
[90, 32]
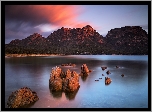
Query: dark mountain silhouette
[125, 40]
[128, 40]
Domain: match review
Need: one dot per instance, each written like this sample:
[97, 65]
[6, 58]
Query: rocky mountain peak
[124, 40]
[88, 27]
[15, 42]
[34, 36]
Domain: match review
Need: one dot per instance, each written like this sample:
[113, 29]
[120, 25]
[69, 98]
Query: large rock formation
[63, 81]
[124, 40]
[55, 81]
[22, 97]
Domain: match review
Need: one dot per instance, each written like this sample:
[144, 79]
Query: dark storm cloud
[24, 19]
[12, 33]
[18, 30]
[40, 14]
[24, 13]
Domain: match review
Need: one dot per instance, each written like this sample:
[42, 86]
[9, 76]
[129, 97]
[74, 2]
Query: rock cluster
[22, 97]
[63, 81]
[84, 70]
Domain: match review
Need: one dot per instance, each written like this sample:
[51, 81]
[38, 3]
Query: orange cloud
[58, 14]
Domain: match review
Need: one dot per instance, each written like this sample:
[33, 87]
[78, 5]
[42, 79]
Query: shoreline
[32, 55]
[28, 55]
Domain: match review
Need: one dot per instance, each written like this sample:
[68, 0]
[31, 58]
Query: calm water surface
[130, 91]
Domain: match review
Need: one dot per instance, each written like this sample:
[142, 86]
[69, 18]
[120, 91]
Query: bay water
[130, 91]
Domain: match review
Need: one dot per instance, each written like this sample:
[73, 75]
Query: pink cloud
[59, 15]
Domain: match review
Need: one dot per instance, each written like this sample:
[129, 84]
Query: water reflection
[69, 95]
[84, 78]
[28, 106]
[56, 94]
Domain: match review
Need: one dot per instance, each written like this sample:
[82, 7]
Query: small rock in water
[117, 66]
[122, 75]
[108, 72]
[107, 80]
[96, 80]
[103, 68]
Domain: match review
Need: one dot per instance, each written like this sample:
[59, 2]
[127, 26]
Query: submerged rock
[69, 64]
[63, 81]
[22, 97]
[96, 80]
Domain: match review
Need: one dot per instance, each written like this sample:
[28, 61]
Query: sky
[24, 20]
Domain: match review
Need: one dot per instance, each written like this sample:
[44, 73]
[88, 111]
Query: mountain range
[128, 40]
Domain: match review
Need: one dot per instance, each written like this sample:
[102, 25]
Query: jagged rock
[22, 97]
[63, 81]
[71, 82]
[108, 72]
[103, 68]
[107, 80]
[56, 84]
[84, 70]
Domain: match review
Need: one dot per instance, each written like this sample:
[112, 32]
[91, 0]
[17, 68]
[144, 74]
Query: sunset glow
[24, 20]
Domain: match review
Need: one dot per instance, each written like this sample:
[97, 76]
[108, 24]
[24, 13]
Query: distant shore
[25, 55]
[28, 55]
